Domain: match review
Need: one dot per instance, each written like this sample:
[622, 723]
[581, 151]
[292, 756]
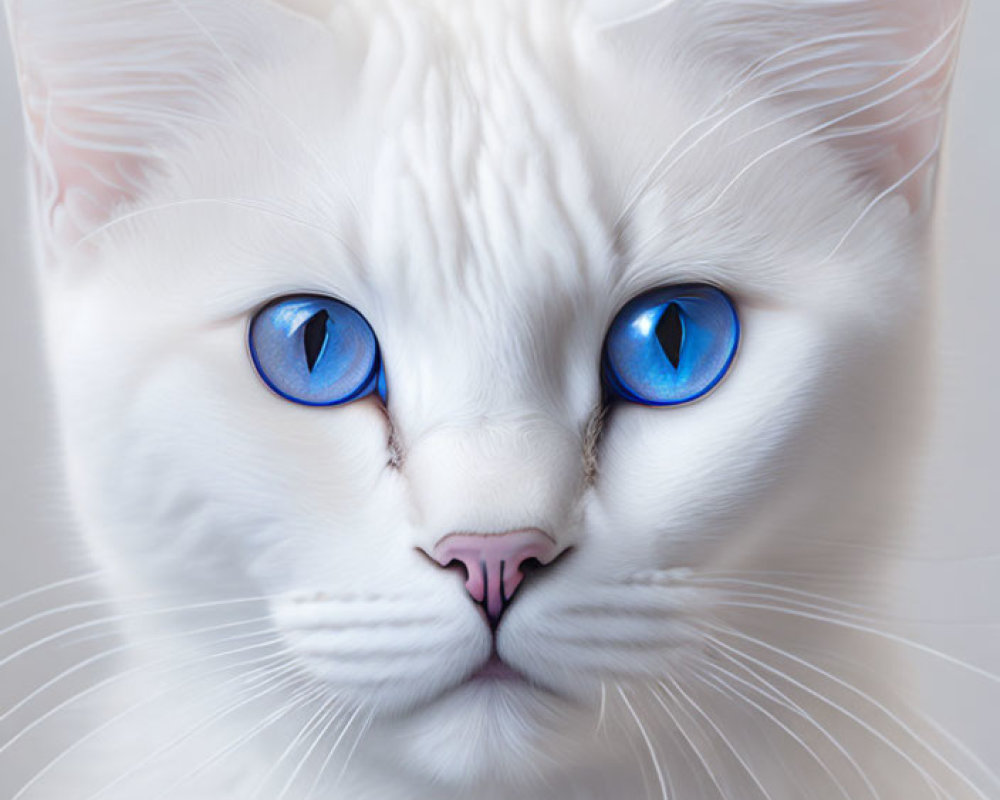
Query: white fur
[488, 183]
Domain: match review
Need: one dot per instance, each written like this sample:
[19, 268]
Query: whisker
[113, 618]
[300, 699]
[649, 744]
[722, 736]
[724, 688]
[602, 708]
[323, 718]
[270, 681]
[107, 682]
[723, 795]
[54, 762]
[125, 647]
[330, 753]
[961, 747]
[777, 696]
[792, 603]
[867, 629]
[357, 741]
[907, 729]
[83, 605]
[717, 578]
[641, 755]
[312, 748]
[60, 584]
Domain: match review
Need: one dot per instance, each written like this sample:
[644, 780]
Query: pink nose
[493, 562]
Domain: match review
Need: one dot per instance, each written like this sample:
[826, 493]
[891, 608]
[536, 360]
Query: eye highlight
[671, 346]
[316, 351]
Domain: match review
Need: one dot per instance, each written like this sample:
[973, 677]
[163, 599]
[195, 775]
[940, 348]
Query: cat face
[488, 187]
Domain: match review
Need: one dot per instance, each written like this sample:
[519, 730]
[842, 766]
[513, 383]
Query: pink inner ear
[906, 120]
[79, 67]
[78, 190]
[871, 77]
[109, 86]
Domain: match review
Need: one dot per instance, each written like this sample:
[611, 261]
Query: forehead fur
[506, 135]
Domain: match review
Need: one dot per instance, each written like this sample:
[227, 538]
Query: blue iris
[671, 346]
[316, 351]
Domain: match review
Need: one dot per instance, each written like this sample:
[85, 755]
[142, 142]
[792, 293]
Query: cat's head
[512, 227]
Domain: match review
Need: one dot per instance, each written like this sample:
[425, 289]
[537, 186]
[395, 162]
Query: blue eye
[671, 346]
[316, 351]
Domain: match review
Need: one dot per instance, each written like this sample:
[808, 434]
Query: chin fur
[484, 731]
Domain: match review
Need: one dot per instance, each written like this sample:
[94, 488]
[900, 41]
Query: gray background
[953, 576]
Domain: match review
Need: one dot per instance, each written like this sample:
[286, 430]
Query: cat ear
[108, 85]
[871, 77]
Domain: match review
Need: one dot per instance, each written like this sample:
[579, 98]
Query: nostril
[531, 565]
[495, 563]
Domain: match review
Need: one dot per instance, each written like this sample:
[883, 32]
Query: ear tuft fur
[870, 77]
[108, 86]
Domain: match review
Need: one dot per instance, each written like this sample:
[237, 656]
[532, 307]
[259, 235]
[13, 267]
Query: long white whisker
[324, 716]
[125, 647]
[602, 708]
[354, 747]
[83, 605]
[275, 680]
[867, 629]
[961, 747]
[89, 576]
[800, 604]
[827, 601]
[914, 736]
[114, 679]
[773, 693]
[333, 749]
[649, 744]
[62, 755]
[723, 795]
[722, 736]
[321, 724]
[301, 698]
[723, 687]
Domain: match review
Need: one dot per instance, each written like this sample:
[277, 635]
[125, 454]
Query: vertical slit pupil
[670, 333]
[315, 338]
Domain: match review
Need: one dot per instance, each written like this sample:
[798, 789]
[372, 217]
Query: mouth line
[495, 669]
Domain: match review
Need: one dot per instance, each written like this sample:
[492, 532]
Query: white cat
[342, 291]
